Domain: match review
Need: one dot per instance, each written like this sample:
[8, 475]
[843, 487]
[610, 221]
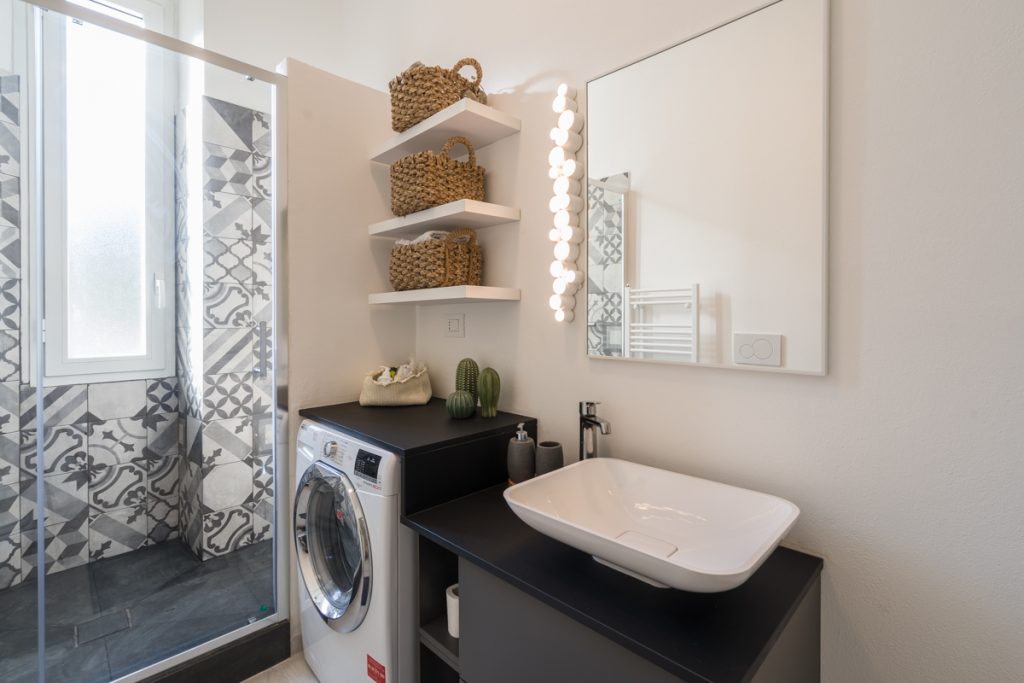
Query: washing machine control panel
[367, 465]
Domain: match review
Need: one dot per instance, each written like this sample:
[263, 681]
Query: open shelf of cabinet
[462, 213]
[478, 122]
[434, 636]
[447, 295]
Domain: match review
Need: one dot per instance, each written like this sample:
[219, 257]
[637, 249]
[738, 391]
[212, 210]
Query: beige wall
[334, 338]
[906, 460]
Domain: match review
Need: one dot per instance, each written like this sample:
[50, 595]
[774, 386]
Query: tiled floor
[173, 602]
[292, 670]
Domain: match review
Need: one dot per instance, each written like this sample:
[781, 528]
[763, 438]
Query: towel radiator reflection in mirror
[661, 322]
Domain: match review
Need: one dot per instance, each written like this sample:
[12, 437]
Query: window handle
[159, 291]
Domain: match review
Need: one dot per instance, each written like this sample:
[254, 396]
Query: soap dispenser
[520, 456]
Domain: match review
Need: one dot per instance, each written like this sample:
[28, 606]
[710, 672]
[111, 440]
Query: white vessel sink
[667, 529]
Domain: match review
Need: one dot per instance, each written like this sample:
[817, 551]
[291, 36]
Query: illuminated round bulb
[554, 134]
[558, 301]
[555, 235]
[570, 275]
[563, 185]
[572, 142]
[570, 121]
[565, 251]
[563, 286]
[563, 218]
[555, 172]
[556, 157]
[565, 91]
[558, 202]
[570, 234]
[559, 137]
[562, 103]
[557, 268]
[563, 316]
[570, 168]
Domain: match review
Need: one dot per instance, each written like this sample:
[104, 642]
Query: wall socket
[455, 325]
[757, 349]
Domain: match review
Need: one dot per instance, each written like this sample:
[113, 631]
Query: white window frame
[159, 358]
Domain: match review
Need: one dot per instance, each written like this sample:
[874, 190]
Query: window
[108, 139]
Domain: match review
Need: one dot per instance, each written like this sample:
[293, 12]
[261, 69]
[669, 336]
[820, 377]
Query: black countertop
[410, 429]
[698, 637]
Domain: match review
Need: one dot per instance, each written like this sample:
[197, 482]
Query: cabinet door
[509, 637]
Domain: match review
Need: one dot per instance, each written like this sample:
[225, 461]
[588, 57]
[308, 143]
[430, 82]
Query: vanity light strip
[566, 203]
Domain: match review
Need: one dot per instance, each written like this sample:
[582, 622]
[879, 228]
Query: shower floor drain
[99, 627]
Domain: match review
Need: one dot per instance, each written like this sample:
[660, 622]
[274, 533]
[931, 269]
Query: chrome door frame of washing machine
[347, 617]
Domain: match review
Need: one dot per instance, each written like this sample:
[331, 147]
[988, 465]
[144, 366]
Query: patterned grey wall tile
[10, 508]
[262, 305]
[65, 497]
[263, 521]
[111, 400]
[262, 263]
[10, 458]
[162, 520]
[262, 479]
[61, 405]
[262, 398]
[227, 124]
[194, 440]
[10, 304]
[64, 450]
[262, 181]
[10, 356]
[10, 561]
[226, 304]
[10, 252]
[116, 442]
[226, 441]
[227, 260]
[226, 530]
[263, 349]
[261, 133]
[116, 487]
[10, 149]
[193, 533]
[10, 98]
[262, 217]
[162, 436]
[66, 546]
[227, 350]
[163, 478]
[226, 486]
[227, 395]
[117, 532]
[10, 201]
[227, 170]
[10, 407]
[227, 215]
[162, 395]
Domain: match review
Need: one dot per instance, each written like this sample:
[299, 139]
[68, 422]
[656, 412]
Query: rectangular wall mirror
[707, 209]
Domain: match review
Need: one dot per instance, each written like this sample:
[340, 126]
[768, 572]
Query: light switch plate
[455, 325]
[757, 349]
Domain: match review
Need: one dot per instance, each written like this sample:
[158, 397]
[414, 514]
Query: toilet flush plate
[757, 349]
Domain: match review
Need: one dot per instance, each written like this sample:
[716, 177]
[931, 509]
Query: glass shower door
[137, 487]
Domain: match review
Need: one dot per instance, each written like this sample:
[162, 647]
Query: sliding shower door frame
[279, 201]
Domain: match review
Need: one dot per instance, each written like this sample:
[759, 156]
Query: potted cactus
[490, 389]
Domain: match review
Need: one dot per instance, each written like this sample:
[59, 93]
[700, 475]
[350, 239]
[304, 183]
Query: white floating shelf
[478, 122]
[463, 213]
[447, 295]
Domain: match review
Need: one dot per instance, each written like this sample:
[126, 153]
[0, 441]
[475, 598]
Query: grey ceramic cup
[549, 457]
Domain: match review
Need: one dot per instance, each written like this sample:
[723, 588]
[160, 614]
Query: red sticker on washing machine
[375, 670]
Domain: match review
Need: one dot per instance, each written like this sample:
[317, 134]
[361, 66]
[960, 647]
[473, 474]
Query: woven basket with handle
[421, 91]
[425, 179]
[455, 260]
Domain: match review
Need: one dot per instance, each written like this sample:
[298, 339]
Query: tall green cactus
[490, 389]
[467, 376]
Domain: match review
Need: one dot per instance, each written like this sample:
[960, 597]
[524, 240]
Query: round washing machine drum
[333, 546]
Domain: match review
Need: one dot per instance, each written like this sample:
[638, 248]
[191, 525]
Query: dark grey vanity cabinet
[535, 610]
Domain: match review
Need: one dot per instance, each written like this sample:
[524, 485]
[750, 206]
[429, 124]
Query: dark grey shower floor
[174, 601]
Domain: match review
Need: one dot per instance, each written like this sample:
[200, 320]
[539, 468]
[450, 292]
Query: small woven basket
[421, 91]
[425, 179]
[455, 260]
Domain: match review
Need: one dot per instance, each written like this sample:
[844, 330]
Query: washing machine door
[333, 546]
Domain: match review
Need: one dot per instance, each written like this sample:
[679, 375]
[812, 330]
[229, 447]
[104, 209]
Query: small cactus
[467, 376]
[490, 389]
[461, 405]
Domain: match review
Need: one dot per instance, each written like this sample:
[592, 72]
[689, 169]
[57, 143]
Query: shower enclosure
[138, 390]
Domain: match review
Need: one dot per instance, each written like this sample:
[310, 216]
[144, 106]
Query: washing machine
[356, 563]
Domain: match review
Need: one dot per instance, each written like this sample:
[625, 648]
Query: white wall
[334, 338]
[907, 459]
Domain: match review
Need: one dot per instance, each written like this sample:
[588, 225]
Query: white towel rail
[644, 337]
